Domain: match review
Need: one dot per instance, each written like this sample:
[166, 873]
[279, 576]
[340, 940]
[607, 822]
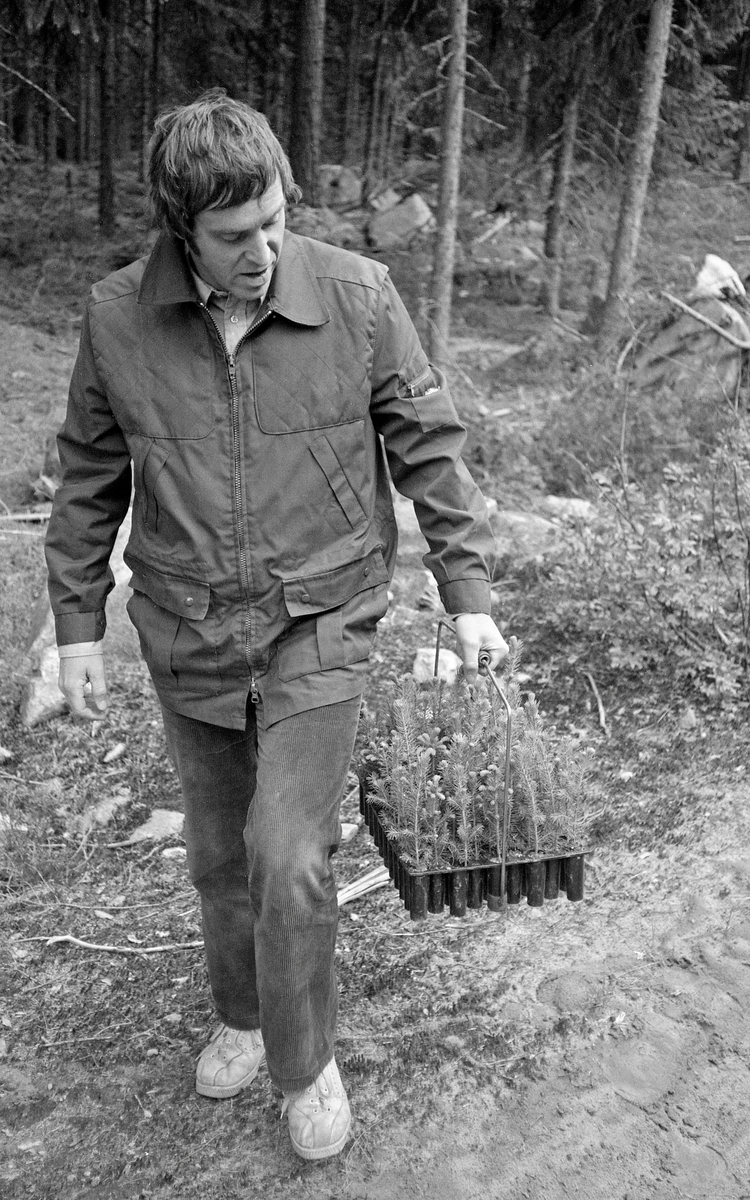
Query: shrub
[664, 574]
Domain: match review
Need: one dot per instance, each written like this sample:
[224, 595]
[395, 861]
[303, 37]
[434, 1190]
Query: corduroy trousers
[261, 826]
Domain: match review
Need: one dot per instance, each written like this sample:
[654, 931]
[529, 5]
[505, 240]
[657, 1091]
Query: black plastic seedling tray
[538, 878]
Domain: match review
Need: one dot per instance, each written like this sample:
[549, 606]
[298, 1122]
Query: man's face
[236, 249]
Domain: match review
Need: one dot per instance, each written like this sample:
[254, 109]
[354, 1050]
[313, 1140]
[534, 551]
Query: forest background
[603, 150]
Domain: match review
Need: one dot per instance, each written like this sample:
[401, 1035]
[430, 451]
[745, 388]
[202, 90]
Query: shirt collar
[205, 291]
[294, 292]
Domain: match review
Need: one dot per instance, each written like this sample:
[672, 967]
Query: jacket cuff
[80, 627]
[466, 595]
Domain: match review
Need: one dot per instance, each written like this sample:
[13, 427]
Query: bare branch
[12, 71]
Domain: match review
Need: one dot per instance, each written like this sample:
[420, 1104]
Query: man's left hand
[477, 633]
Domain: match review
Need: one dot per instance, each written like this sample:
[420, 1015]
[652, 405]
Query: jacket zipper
[237, 483]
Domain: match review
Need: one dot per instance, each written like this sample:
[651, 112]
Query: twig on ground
[18, 779]
[599, 703]
[74, 941]
[374, 879]
[570, 329]
[25, 516]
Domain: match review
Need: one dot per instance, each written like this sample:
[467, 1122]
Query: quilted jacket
[263, 536]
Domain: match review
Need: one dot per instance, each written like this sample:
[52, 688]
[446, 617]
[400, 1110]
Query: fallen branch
[25, 516]
[18, 779]
[707, 321]
[374, 879]
[74, 941]
[599, 703]
[496, 226]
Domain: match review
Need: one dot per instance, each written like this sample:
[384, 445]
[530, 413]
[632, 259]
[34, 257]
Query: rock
[570, 508]
[411, 540]
[8, 828]
[423, 667]
[162, 824]
[522, 538]
[99, 815]
[326, 225]
[382, 201]
[429, 597]
[396, 226]
[339, 186]
[692, 360]
[41, 698]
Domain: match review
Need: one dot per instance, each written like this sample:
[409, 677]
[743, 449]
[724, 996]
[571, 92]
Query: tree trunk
[557, 212]
[307, 97]
[275, 56]
[742, 160]
[522, 104]
[638, 173]
[450, 171]
[107, 60]
[50, 125]
[351, 135]
[374, 121]
[148, 110]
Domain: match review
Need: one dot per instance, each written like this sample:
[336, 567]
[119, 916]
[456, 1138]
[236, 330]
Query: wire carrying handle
[484, 667]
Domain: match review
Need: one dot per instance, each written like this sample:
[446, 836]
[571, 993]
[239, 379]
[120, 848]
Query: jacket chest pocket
[302, 381]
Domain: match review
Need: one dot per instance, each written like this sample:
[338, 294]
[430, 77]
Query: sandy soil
[647, 1094]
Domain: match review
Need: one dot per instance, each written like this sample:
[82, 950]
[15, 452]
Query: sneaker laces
[318, 1091]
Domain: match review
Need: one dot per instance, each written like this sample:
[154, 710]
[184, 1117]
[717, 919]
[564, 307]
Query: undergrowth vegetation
[662, 575]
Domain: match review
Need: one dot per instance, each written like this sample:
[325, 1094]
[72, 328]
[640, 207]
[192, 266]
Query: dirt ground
[598, 1050]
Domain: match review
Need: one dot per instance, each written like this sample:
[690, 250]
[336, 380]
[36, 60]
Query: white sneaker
[230, 1062]
[319, 1117]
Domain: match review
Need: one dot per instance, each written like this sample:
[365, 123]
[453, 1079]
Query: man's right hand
[82, 679]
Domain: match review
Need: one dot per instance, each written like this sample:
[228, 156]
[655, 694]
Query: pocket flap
[329, 589]
[185, 597]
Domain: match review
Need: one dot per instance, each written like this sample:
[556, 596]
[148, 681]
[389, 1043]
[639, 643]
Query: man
[249, 385]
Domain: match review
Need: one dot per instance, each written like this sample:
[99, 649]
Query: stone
[104, 812]
[429, 597]
[162, 824]
[382, 201]
[522, 538]
[325, 225]
[339, 186]
[423, 667]
[693, 361]
[570, 508]
[396, 226]
[41, 697]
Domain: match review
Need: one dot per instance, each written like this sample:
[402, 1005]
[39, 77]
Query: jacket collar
[294, 291]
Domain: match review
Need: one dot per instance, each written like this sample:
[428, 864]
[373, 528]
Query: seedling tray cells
[462, 888]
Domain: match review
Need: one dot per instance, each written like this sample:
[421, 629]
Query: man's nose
[256, 249]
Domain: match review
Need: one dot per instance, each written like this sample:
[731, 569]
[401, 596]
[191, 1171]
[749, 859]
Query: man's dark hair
[213, 153]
